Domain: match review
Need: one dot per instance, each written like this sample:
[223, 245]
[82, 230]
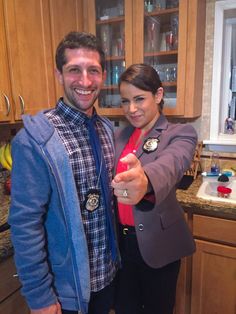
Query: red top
[125, 211]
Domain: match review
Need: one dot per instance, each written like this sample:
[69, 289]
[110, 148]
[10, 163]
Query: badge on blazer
[150, 144]
[92, 200]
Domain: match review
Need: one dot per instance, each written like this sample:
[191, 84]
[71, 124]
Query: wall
[202, 125]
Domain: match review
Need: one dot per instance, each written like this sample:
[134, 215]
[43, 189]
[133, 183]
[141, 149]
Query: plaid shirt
[71, 127]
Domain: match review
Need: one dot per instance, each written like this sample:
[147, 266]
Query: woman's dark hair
[142, 76]
[75, 40]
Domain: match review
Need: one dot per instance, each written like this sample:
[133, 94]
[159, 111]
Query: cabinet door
[30, 55]
[213, 279]
[71, 11]
[11, 301]
[15, 304]
[6, 109]
[182, 299]
[183, 289]
[111, 21]
[169, 35]
[163, 32]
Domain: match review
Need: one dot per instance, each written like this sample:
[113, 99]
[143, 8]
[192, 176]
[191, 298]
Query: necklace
[92, 197]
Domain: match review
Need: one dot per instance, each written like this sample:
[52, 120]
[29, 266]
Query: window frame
[219, 86]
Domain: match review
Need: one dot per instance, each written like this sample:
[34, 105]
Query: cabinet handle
[22, 104]
[8, 104]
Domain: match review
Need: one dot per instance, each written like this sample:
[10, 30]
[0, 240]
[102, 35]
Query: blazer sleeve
[173, 157]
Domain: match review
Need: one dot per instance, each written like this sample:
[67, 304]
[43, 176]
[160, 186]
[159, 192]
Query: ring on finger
[125, 193]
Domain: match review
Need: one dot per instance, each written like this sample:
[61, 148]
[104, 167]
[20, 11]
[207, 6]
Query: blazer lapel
[122, 137]
[155, 133]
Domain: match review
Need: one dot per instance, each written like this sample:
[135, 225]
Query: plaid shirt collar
[71, 114]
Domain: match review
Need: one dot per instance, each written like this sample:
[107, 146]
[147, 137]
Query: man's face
[82, 78]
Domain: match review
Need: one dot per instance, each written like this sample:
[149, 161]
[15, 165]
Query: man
[61, 214]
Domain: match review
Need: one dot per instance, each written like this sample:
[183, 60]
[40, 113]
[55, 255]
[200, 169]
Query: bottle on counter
[215, 163]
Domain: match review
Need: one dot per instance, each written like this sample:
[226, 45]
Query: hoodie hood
[38, 127]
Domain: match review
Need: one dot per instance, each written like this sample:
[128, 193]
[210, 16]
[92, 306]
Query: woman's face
[140, 107]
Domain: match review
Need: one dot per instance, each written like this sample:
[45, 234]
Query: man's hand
[130, 186]
[51, 309]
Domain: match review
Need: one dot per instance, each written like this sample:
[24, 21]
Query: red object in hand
[223, 191]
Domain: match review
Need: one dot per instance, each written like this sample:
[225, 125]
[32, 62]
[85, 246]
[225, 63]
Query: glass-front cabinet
[167, 34]
[113, 25]
[161, 44]
[110, 28]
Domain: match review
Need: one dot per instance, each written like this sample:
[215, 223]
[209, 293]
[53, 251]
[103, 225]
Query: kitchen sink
[208, 190]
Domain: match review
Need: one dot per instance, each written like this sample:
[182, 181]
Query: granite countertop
[187, 199]
[191, 203]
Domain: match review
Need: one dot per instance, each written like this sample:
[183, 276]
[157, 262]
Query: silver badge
[92, 200]
[150, 145]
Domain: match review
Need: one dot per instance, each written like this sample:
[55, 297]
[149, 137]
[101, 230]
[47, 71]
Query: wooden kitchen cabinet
[111, 21]
[182, 97]
[11, 301]
[30, 59]
[65, 16]
[6, 110]
[214, 266]
[30, 31]
[183, 289]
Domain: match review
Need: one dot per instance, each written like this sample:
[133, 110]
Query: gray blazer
[162, 233]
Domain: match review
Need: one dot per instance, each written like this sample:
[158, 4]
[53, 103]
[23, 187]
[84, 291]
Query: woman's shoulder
[182, 127]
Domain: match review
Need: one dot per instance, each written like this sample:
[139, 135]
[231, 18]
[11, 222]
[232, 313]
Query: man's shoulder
[37, 127]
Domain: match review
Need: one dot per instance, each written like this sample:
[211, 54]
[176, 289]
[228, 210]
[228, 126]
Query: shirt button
[140, 227]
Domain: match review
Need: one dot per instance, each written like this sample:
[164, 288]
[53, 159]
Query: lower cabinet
[11, 301]
[183, 291]
[206, 283]
[214, 266]
[207, 280]
[214, 279]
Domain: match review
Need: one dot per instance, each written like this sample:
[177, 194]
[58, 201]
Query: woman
[153, 233]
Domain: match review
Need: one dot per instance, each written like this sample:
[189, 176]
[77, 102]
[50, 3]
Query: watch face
[150, 145]
[92, 200]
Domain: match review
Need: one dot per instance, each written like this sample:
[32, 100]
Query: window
[223, 100]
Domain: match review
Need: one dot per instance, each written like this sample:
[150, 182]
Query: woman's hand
[130, 186]
[51, 309]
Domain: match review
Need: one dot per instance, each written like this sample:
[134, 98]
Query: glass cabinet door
[167, 34]
[161, 41]
[110, 28]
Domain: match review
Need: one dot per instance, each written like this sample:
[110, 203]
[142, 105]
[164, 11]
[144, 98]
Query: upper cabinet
[30, 31]
[65, 16]
[167, 34]
[29, 59]
[6, 112]
[111, 21]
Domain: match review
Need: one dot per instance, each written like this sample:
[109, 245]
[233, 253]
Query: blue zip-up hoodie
[51, 253]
